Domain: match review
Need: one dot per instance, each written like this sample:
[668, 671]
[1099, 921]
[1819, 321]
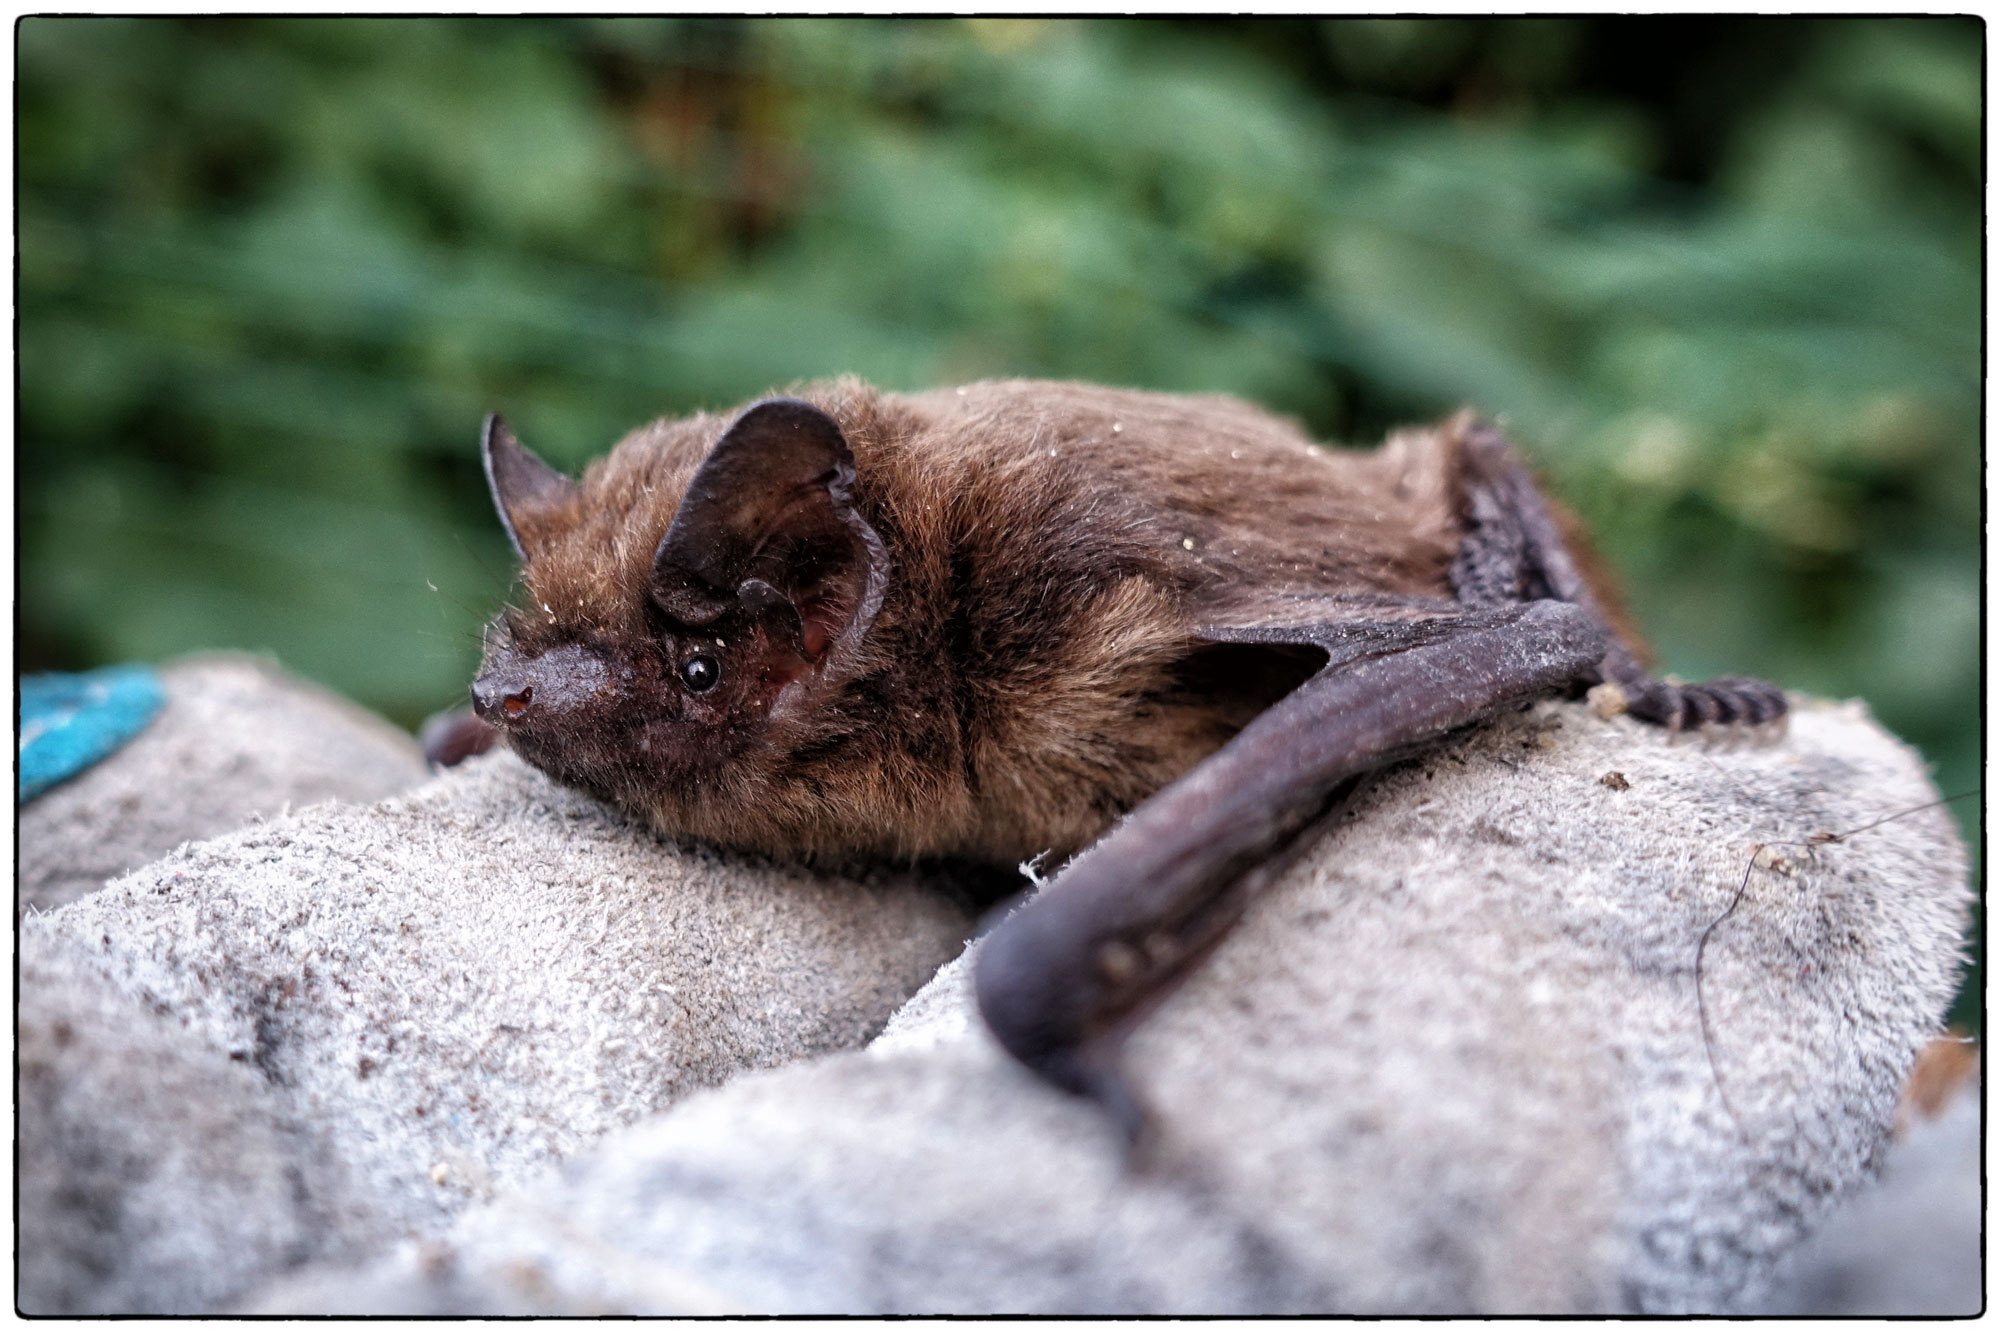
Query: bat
[996, 622]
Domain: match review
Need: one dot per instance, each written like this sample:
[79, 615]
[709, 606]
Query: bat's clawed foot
[1726, 706]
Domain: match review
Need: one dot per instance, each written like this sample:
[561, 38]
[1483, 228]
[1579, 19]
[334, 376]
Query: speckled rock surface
[1455, 1062]
[449, 989]
[157, 1176]
[1906, 1244]
[238, 738]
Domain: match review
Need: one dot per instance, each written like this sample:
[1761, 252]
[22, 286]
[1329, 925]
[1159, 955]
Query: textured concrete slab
[238, 739]
[1456, 1062]
[457, 986]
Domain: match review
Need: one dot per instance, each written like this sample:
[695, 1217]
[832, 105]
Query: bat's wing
[1060, 981]
[1346, 627]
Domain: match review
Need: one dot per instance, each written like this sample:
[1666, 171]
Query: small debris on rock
[1607, 700]
[1768, 859]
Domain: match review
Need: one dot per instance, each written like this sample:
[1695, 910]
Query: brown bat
[988, 622]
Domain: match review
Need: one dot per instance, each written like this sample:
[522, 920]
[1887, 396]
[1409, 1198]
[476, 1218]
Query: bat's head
[687, 615]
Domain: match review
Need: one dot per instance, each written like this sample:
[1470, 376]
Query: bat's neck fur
[1036, 668]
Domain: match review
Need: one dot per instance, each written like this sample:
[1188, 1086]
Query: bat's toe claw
[1771, 705]
[1705, 706]
[1709, 705]
[454, 736]
[1755, 702]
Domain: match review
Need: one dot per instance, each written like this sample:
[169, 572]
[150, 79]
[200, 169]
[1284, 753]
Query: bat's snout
[512, 691]
[498, 698]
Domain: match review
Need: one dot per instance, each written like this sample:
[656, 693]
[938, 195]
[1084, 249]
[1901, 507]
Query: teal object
[71, 720]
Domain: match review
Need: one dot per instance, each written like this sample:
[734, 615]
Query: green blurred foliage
[1721, 276]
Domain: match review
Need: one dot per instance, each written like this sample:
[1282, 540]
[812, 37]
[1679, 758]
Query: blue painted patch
[70, 721]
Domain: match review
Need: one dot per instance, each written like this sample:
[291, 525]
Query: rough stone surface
[238, 738]
[1455, 1062]
[454, 987]
[157, 1177]
[1908, 1244]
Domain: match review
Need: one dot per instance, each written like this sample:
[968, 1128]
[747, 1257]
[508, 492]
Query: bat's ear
[524, 488]
[767, 526]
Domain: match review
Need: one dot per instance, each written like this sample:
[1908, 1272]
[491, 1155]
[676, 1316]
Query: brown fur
[1035, 668]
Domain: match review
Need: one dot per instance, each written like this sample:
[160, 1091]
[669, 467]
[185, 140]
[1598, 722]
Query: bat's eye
[700, 673]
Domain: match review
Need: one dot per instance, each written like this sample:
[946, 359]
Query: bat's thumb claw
[453, 736]
[1103, 1085]
[1088, 1068]
[1092, 1072]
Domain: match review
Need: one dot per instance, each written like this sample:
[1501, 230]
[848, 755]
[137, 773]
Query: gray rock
[1908, 1244]
[1455, 1062]
[237, 738]
[156, 1177]
[454, 987]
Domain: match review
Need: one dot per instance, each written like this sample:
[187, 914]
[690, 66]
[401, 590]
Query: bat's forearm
[1122, 924]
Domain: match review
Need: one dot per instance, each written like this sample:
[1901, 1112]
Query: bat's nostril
[513, 690]
[502, 700]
